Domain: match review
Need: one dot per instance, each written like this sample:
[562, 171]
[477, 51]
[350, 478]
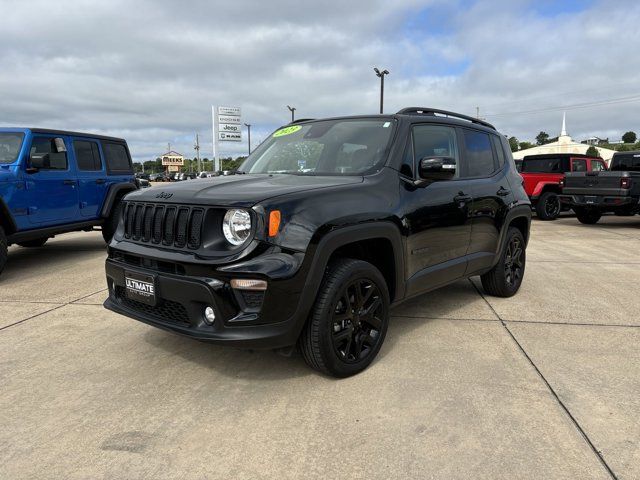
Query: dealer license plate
[140, 287]
[591, 199]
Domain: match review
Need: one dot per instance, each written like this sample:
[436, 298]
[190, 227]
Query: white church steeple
[563, 133]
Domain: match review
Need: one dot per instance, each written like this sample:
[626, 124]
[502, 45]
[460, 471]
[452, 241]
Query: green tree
[629, 137]
[542, 138]
[526, 145]
[593, 151]
[514, 144]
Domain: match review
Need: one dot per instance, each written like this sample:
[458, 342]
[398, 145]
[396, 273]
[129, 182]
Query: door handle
[503, 192]
[462, 198]
[69, 182]
[100, 181]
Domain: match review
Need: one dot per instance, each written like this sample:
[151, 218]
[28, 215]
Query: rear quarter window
[116, 157]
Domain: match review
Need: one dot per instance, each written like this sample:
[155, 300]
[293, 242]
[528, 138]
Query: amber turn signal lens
[274, 222]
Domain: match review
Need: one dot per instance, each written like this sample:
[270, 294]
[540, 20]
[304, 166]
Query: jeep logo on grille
[164, 195]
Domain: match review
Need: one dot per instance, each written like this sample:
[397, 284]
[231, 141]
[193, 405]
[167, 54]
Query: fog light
[209, 315]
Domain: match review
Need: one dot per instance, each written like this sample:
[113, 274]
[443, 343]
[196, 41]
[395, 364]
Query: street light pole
[196, 147]
[292, 110]
[248, 125]
[381, 75]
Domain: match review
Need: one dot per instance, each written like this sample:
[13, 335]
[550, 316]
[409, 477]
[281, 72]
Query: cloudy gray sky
[149, 71]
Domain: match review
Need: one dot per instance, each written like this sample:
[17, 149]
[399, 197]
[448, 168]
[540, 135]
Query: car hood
[238, 190]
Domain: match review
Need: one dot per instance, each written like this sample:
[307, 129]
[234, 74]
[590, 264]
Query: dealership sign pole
[227, 127]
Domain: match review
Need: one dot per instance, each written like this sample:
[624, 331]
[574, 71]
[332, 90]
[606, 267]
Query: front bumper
[602, 202]
[269, 322]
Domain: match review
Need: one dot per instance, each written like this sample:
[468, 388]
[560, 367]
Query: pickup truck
[53, 182]
[543, 176]
[591, 194]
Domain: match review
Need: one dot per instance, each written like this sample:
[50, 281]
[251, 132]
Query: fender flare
[115, 190]
[329, 242]
[540, 187]
[6, 219]
[519, 211]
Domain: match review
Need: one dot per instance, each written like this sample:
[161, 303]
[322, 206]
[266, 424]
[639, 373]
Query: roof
[172, 153]
[557, 155]
[49, 131]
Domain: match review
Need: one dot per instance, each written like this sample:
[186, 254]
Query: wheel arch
[6, 219]
[115, 193]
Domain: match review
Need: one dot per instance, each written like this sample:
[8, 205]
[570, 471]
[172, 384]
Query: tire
[111, 223]
[38, 242]
[4, 249]
[505, 278]
[335, 341]
[588, 216]
[548, 206]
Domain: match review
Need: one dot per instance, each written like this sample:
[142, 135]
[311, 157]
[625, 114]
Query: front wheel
[548, 206]
[588, 216]
[349, 320]
[505, 278]
[38, 242]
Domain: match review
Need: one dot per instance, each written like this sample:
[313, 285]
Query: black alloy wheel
[514, 264]
[505, 278]
[548, 206]
[348, 322]
[357, 321]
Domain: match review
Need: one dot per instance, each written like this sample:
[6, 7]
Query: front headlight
[236, 226]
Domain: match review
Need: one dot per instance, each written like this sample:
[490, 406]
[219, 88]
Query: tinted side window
[497, 144]
[116, 157]
[579, 165]
[435, 141]
[542, 165]
[44, 148]
[479, 154]
[87, 155]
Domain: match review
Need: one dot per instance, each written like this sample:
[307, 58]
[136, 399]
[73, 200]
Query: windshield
[10, 144]
[328, 147]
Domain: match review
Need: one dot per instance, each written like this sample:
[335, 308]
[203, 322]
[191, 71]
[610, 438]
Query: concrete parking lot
[542, 385]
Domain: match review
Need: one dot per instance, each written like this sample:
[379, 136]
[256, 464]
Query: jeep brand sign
[227, 127]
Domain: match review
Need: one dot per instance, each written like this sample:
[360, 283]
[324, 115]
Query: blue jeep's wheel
[4, 250]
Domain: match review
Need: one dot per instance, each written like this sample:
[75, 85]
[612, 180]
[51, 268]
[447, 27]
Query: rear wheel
[38, 242]
[349, 320]
[588, 216]
[4, 249]
[505, 278]
[548, 206]
[111, 223]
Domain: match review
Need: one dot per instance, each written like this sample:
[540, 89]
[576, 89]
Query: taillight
[625, 182]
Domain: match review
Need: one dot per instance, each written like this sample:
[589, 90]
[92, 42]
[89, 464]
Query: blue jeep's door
[51, 183]
[92, 178]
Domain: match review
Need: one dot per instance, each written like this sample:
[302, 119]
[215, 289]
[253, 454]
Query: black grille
[167, 310]
[172, 226]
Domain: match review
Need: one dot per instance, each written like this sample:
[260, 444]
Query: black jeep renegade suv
[329, 224]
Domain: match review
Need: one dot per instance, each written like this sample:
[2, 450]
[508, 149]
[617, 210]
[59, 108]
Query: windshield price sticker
[287, 131]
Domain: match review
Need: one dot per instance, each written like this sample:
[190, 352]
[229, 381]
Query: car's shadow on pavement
[268, 365]
[24, 262]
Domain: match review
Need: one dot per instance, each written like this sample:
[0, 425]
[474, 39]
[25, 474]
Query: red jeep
[543, 176]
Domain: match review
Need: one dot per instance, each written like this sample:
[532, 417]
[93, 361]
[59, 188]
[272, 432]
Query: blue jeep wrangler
[54, 182]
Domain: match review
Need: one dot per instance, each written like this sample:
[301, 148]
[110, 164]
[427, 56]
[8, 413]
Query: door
[92, 182]
[52, 187]
[487, 179]
[436, 216]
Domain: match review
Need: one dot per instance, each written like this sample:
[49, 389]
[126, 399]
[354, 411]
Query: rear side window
[87, 155]
[116, 157]
[542, 165]
[480, 161]
[497, 144]
[44, 150]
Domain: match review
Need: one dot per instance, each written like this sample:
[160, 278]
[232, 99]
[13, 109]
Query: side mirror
[37, 162]
[437, 168]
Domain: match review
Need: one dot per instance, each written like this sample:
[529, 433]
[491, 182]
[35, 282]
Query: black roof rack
[433, 111]
[300, 121]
